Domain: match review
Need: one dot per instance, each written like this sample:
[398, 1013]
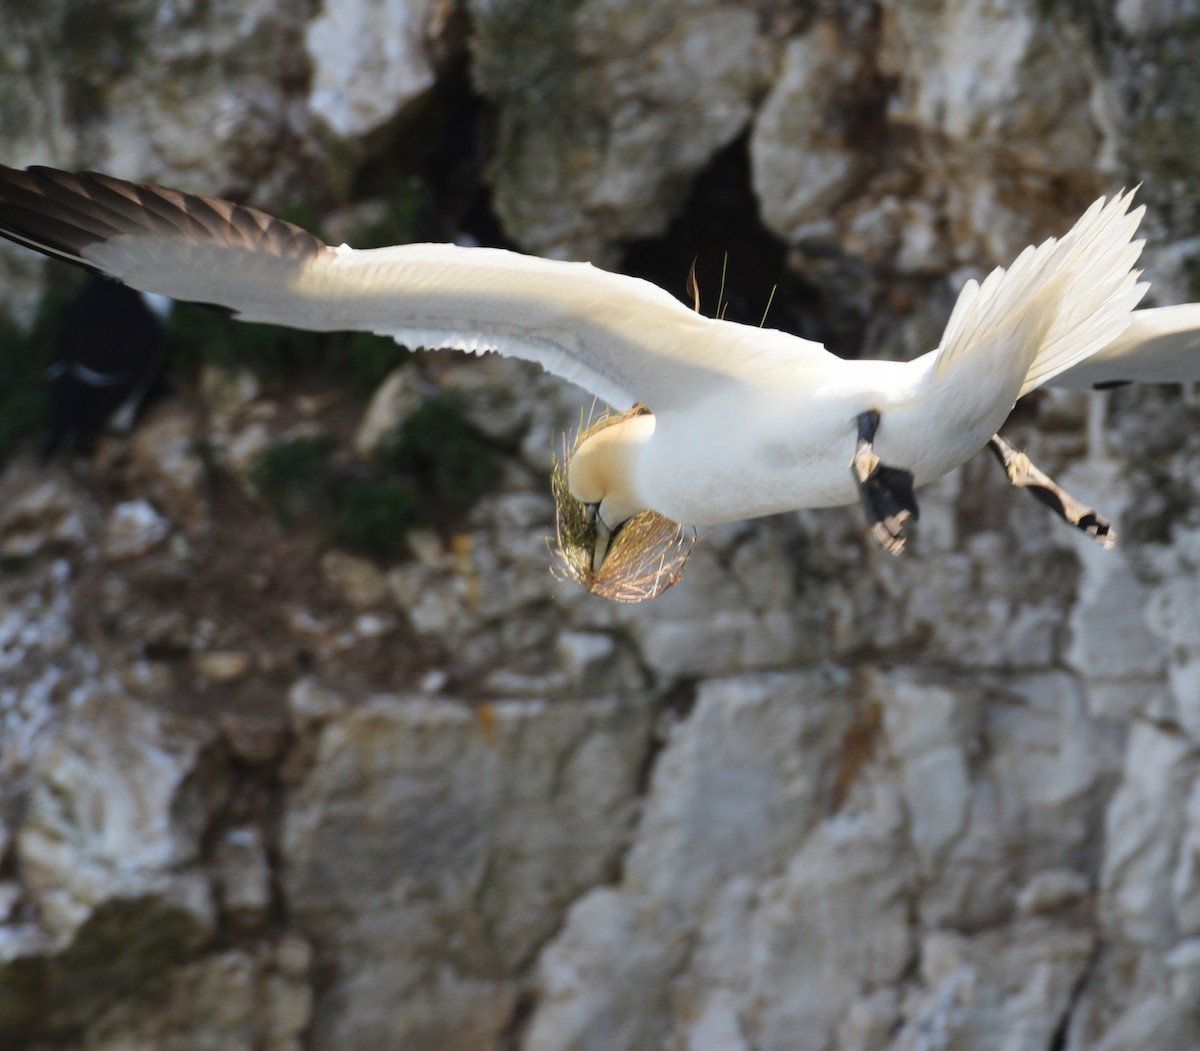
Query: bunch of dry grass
[647, 554]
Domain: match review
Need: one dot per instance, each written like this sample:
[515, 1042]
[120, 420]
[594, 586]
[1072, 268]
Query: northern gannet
[742, 421]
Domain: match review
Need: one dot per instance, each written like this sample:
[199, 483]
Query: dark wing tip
[42, 213]
[61, 213]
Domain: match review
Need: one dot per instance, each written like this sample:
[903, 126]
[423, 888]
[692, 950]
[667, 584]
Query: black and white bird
[109, 347]
[741, 421]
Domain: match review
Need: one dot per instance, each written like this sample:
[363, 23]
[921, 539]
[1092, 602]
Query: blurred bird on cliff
[733, 421]
[109, 346]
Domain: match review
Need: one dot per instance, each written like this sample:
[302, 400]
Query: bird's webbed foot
[1023, 474]
[886, 492]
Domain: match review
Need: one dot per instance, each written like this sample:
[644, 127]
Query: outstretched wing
[1161, 345]
[622, 338]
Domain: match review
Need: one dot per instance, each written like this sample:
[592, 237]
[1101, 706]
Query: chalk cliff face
[259, 792]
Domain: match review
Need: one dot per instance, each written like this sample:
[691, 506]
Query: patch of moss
[22, 996]
[431, 471]
[374, 516]
[297, 479]
[451, 463]
[123, 946]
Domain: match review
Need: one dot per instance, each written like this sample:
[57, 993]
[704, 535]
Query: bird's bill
[603, 540]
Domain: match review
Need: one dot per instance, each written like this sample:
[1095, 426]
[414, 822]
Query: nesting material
[646, 555]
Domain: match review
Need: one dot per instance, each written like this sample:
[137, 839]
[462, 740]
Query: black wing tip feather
[28, 217]
[61, 213]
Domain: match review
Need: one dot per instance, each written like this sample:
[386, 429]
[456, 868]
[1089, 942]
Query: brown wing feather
[61, 213]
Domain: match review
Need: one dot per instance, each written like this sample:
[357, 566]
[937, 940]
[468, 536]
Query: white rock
[164, 450]
[1050, 890]
[480, 832]
[931, 731]
[1147, 16]
[804, 155]
[223, 666]
[629, 103]
[371, 59]
[1185, 880]
[119, 801]
[1143, 825]
[390, 405]
[10, 894]
[998, 990]
[134, 529]
[1130, 1001]
[870, 1021]
[228, 394]
[360, 582]
[45, 515]
[293, 956]
[835, 923]
[584, 652]
[703, 936]
[719, 1026]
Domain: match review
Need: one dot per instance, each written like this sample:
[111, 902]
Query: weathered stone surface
[282, 795]
[908, 138]
[133, 530]
[359, 582]
[607, 110]
[243, 876]
[995, 990]
[168, 467]
[370, 59]
[223, 665]
[734, 802]
[42, 516]
[230, 1001]
[118, 802]
[443, 844]
[804, 143]
[232, 68]
[391, 404]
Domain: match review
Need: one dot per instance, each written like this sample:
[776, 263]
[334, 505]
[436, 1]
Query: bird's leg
[1024, 475]
[887, 492]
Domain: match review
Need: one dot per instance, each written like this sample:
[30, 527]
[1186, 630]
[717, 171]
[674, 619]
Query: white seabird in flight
[741, 421]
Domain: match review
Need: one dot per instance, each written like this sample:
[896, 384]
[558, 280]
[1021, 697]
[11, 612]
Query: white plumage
[744, 421]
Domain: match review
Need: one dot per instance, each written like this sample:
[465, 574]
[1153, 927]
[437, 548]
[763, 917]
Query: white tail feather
[1056, 305]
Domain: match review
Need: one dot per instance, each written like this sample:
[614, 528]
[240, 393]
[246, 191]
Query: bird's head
[602, 475]
[596, 493]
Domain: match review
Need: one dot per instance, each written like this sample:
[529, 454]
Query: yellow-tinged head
[595, 492]
[603, 469]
